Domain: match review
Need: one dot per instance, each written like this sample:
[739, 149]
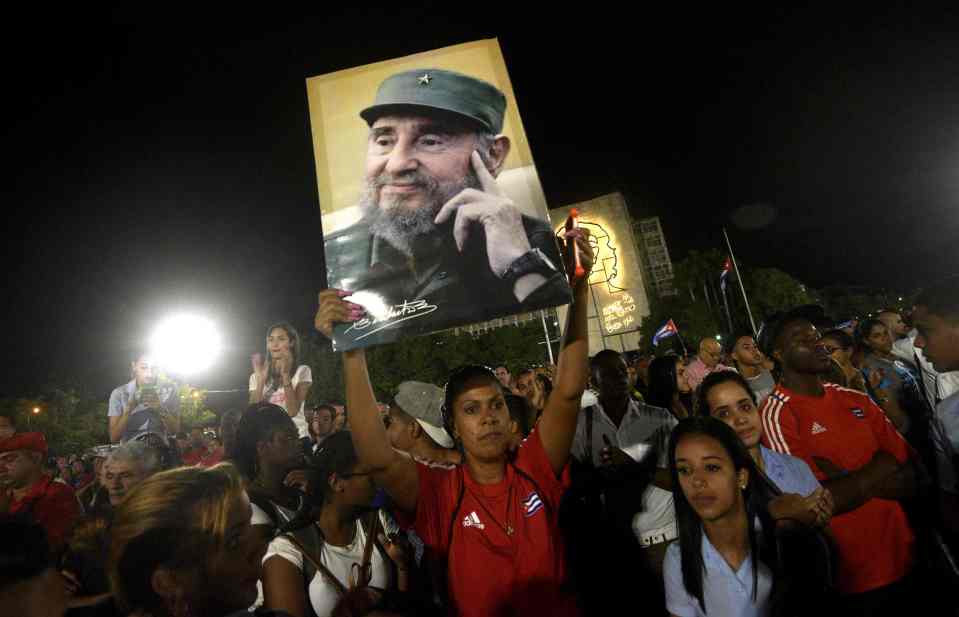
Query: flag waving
[669, 329]
[727, 269]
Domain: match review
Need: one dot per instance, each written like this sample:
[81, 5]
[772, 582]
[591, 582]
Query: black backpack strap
[589, 434]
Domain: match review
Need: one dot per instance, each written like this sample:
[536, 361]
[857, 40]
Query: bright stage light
[185, 344]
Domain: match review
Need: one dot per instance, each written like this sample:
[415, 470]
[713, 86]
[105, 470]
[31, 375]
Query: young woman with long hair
[726, 396]
[668, 387]
[719, 499]
[279, 378]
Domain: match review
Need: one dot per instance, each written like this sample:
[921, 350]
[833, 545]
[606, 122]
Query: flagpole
[729, 316]
[549, 344]
[741, 287]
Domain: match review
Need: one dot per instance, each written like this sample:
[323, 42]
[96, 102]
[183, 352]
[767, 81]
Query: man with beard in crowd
[437, 234]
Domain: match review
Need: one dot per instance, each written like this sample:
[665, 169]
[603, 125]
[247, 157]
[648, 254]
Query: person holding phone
[145, 404]
[278, 377]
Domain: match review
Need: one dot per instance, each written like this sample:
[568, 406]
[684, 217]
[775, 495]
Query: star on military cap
[426, 90]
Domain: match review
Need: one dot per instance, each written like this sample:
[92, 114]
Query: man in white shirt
[937, 320]
[638, 430]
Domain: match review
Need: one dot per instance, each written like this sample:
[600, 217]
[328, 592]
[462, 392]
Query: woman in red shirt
[493, 521]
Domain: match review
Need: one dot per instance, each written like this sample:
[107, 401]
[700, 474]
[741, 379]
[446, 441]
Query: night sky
[162, 160]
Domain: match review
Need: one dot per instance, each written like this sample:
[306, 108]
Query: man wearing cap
[414, 424]
[26, 490]
[436, 227]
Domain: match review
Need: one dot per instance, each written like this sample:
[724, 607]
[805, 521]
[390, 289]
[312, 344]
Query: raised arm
[558, 424]
[394, 472]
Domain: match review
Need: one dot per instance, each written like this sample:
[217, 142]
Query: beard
[394, 220]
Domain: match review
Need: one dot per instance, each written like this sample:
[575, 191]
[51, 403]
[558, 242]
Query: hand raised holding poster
[448, 225]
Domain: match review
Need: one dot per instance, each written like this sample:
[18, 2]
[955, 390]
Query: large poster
[432, 211]
[618, 299]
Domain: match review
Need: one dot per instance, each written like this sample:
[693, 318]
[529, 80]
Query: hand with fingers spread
[502, 221]
[334, 309]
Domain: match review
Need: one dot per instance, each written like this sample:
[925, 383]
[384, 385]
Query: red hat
[35, 442]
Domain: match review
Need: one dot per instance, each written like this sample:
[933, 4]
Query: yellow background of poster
[340, 135]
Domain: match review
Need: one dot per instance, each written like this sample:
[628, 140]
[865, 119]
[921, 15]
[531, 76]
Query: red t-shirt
[847, 428]
[53, 505]
[193, 456]
[488, 572]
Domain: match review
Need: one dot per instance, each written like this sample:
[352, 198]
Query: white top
[643, 427]
[939, 386]
[338, 559]
[303, 374]
[945, 431]
[726, 592]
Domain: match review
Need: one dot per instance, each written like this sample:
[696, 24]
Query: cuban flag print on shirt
[532, 504]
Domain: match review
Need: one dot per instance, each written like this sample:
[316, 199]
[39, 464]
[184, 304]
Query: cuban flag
[665, 332]
[532, 504]
[727, 268]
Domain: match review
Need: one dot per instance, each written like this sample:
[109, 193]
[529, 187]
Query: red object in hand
[572, 222]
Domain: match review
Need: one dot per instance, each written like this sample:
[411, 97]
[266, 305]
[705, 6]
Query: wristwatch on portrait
[532, 261]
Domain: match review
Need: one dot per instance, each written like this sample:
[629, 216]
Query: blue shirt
[726, 593]
[790, 474]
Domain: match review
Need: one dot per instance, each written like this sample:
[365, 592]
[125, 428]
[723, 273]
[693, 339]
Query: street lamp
[36, 410]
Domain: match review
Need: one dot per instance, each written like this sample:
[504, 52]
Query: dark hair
[864, 331]
[662, 381]
[942, 299]
[717, 378]
[228, 425]
[309, 426]
[599, 358]
[26, 552]
[772, 330]
[547, 384]
[457, 384]
[258, 423]
[338, 457]
[294, 346]
[756, 496]
[731, 341]
[845, 341]
[519, 409]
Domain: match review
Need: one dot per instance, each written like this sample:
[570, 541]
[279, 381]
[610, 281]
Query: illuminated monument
[618, 283]
[629, 267]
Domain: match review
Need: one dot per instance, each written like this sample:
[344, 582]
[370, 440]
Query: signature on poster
[389, 316]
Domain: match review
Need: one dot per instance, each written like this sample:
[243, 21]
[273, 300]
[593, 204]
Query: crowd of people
[812, 469]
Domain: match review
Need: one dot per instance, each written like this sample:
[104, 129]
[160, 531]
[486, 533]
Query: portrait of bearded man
[439, 243]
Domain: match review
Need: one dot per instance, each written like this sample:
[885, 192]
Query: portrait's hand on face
[333, 309]
[501, 220]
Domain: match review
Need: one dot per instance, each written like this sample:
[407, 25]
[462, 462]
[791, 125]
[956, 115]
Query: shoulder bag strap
[589, 434]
